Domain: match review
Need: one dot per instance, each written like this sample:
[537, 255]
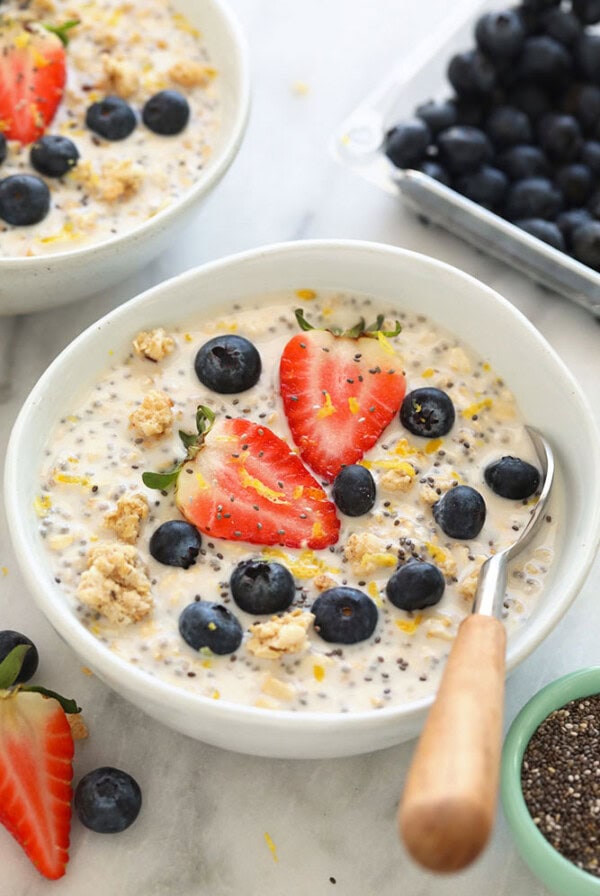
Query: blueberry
[9, 640]
[3, 148]
[560, 137]
[587, 57]
[530, 18]
[568, 221]
[437, 115]
[24, 199]
[507, 126]
[544, 61]
[259, 587]
[228, 364]
[586, 244]
[436, 171]
[583, 102]
[590, 155]
[344, 615]
[415, 586]
[471, 74]
[208, 624]
[111, 118]
[511, 477]
[533, 197]
[167, 112]
[531, 99]
[593, 205]
[500, 34]
[520, 162]
[470, 111]
[487, 186]
[427, 412]
[463, 148]
[107, 800]
[587, 11]
[562, 25]
[546, 231]
[575, 181]
[460, 513]
[53, 155]
[406, 144]
[539, 5]
[354, 490]
[176, 543]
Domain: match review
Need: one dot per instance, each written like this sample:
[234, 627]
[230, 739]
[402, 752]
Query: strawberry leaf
[62, 31]
[189, 439]
[11, 666]
[192, 442]
[162, 481]
[359, 329]
[69, 706]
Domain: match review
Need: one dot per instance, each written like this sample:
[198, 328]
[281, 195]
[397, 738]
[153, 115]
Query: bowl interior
[560, 876]
[546, 392]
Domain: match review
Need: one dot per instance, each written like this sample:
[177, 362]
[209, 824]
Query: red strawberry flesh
[246, 484]
[36, 752]
[32, 79]
[339, 394]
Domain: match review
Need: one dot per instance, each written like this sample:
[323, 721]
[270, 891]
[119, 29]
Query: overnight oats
[287, 506]
[109, 112]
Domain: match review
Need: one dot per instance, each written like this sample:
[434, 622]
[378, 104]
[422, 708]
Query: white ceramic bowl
[32, 284]
[546, 392]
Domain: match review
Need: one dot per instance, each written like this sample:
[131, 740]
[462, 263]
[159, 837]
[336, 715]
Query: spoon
[449, 801]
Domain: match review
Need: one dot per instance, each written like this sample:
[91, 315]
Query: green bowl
[558, 874]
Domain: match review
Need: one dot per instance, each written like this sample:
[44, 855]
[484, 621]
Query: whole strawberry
[32, 77]
[36, 753]
[340, 390]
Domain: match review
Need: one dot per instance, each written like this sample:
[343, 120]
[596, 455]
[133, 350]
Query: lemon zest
[318, 672]
[327, 409]
[272, 847]
[42, 504]
[260, 488]
[410, 625]
[433, 445]
[477, 407]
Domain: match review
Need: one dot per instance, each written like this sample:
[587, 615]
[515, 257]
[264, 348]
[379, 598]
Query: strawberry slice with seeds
[32, 79]
[36, 753]
[242, 482]
[340, 390]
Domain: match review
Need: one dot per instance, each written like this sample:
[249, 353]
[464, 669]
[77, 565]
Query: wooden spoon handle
[449, 800]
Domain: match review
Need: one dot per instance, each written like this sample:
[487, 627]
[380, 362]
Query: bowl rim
[224, 158]
[59, 613]
[543, 859]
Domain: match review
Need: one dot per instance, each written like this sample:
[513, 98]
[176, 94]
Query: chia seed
[560, 779]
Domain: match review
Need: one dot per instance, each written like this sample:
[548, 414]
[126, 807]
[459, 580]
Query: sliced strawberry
[32, 79]
[339, 392]
[36, 752]
[245, 484]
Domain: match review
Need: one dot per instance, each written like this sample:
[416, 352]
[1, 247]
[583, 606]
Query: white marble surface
[206, 812]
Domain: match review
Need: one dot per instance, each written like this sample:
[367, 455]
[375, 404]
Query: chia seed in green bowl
[551, 783]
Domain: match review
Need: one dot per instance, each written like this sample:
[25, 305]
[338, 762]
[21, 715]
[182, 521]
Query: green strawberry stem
[192, 442]
[62, 31]
[69, 706]
[9, 672]
[355, 332]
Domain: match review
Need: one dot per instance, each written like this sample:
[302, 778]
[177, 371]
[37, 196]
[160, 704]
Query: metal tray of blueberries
[359, 143]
